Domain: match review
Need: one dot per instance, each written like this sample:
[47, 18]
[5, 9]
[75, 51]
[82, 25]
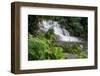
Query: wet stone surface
[69, 56]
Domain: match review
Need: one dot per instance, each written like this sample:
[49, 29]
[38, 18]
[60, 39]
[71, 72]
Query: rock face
[62, 33]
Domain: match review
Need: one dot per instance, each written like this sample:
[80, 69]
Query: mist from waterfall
[61, 32]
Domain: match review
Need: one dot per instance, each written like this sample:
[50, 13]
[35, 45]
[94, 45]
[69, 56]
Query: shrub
[72, 48]
[82, 54]
[58, 52]
[37, 49]
[42, 48]
[75, 49]
[50, 34]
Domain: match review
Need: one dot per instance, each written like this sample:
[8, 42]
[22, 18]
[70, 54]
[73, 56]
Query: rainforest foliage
[42, 46]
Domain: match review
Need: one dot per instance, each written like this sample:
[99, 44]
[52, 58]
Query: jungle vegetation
[43, 46]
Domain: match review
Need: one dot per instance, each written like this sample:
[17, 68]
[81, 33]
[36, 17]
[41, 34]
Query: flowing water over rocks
[62, 33]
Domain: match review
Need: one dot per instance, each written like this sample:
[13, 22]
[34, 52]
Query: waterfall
[63, 34]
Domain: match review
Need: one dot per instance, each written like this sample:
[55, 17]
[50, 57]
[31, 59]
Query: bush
[72, 48]
[75, 49]
[82, 54]
[42, 48]
[58, 52]
[37, 49]
[50, 34]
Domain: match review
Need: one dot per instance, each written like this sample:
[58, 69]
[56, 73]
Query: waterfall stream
[63, 34]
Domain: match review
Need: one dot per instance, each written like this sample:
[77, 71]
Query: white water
[62, 33]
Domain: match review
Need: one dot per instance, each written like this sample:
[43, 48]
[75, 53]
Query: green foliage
[72, 48]
[75, 49]
[41, 48]
[58, 52]
[33, 25]
[50, 34]
[43, 45]
[37, 48]
[82, 54]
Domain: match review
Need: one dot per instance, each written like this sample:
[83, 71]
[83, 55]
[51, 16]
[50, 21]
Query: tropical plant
[58, 52]
[43, 45]
[37, 49]
[42, 48]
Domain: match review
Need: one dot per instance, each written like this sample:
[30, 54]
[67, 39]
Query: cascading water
[61, 32]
